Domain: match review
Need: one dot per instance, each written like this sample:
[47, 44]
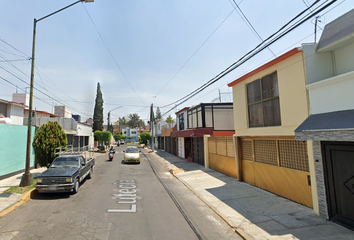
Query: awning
[332, 121]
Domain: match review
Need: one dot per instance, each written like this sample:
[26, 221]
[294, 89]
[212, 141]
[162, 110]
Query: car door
[82, 170]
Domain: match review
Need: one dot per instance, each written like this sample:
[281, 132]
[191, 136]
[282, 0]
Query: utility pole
[152, 119]
[26, 179]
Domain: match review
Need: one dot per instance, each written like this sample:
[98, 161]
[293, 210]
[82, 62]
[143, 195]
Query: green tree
[145, 136]
[48, 137]
[158, 114]
[98, 111]
[141, 124]
[117, 136]
[133, 120]
[97, 136]
[106, 136]
[169, 119]
[122, 121]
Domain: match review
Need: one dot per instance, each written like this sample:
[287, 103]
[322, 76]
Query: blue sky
[141, 52]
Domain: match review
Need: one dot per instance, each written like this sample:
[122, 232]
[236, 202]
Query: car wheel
[76, 186]
[89, 176]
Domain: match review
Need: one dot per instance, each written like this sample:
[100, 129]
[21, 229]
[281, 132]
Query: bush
[48, 137]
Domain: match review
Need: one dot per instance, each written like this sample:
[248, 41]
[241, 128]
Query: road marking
[126, 195]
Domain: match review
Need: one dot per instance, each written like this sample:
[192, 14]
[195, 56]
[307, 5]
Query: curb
[25, 197]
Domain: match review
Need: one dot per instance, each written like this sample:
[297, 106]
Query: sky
[142, 52]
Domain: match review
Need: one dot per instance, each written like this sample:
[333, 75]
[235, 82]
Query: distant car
[121, 142]
[131, 154]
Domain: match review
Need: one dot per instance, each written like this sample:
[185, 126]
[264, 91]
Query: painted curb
[25, 197]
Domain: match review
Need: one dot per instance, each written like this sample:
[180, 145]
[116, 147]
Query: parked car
[131, 154]
[121, 142]
[65, 174]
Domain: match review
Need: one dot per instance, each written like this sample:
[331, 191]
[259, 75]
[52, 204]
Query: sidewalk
[9, 199]
[251, 211]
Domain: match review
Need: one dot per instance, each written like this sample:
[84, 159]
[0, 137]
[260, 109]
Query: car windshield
[65, 162]
[132, 150]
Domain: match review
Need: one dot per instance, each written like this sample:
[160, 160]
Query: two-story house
[330, 127]
[269, 104]
[212, 119]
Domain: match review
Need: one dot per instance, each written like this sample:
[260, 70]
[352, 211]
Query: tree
[144, 137]
[98, 112]
[133, 120]
[117, 136]
[122, 121]
[169, 119]
[48, 137]
[158, 114]
[98, 137]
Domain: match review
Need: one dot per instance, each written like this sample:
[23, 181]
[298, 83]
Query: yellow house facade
[270, 102]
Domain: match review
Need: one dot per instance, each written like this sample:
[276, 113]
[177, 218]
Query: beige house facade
[269, 104]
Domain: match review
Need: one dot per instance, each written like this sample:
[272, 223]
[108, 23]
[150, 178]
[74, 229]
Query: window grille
[246, 146]
[265, 151]
[293, 155]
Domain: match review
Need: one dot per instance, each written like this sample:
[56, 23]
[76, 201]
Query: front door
[339, 169]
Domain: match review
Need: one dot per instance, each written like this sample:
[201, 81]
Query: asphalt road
[121, 201]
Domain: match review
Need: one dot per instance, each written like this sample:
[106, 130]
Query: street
[121, 201]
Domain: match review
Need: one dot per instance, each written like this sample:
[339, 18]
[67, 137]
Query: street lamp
[109, 117]
[27, 176]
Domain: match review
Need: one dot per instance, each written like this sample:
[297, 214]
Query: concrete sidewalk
[251, 211]
[9, 199]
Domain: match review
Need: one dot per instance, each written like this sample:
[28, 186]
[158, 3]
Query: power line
[254, 52]
[109, 51]
[196, 51]
[248, 23]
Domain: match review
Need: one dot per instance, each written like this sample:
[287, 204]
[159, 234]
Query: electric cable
[246, 58]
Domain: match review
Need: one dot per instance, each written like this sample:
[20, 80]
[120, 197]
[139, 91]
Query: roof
[12, 103]
[182, 110]
[37, 111]
[265, 66]
[337, 33]
[340, 120]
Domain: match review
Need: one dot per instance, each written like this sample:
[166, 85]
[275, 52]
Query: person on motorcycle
[111, 149]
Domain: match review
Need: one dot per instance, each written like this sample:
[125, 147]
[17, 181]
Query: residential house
[270, 102]
[11, 112]
[213, 119]
[131, 132]
[329, 130]
[159, 140]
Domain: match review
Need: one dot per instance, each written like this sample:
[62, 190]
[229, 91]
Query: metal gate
[339, 172]
[198, 150]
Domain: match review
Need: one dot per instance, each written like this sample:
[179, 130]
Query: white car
[132, 154]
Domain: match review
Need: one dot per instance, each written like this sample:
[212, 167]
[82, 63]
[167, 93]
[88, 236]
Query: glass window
[263, 102]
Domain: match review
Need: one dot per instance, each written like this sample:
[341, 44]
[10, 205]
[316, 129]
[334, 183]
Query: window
[263, 102]
[181, 121]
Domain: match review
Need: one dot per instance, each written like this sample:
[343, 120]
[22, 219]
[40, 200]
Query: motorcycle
[111, 154]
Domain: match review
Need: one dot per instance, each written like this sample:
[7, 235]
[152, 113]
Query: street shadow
[274, 214]
[35, 195]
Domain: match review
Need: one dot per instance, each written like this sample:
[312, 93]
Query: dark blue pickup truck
[65, 174]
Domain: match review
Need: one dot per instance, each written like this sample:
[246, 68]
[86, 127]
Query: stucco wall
[16, 114]
[13, 142]
[292, 96]
[334, 94]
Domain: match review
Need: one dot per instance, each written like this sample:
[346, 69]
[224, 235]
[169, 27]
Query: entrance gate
[339, 170]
